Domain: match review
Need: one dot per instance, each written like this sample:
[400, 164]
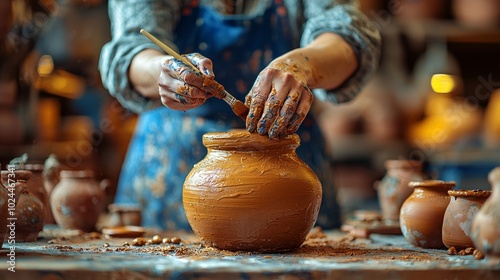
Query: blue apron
[167, 143]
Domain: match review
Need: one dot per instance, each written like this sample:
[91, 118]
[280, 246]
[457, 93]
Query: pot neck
[243, 141]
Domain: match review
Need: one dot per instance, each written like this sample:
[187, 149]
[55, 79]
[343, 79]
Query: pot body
[422, 213]
[393, 190]
[29, 211]
[77, 200]
[459, 215]
[251, 193]
[486, 225]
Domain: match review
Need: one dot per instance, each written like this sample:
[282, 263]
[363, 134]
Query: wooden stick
[168, 50]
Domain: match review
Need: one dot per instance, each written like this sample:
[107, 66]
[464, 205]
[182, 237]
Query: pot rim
[432, 184]
[470, 193]
[20, 174]
[242, 140]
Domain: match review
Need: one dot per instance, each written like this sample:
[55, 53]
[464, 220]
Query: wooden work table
[332, 254]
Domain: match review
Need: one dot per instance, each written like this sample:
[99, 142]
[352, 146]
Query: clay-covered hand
[180, 87]
[278, 101]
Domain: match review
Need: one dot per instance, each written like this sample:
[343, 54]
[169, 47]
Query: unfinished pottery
[422, 213]
[251, 193]
[393, 190]
[486, 225]
[29, 210]
[77, 200]
[459, 215]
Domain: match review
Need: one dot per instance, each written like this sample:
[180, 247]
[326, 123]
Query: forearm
[327, 62]
[144, 72]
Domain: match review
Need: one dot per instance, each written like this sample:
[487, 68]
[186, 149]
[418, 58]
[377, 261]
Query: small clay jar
[251, 193]
[29, 210]
[8, 194]
[124, 215]
[422, 213]
[51, 177]
[393, 190]
[486, 224]
[77, 200]
[459, 215]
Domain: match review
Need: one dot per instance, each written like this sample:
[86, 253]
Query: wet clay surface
[73, 254]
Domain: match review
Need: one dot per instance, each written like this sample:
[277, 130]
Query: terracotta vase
[486, 225]
[422, 213]
[393, 190]
[459, 215]
[78, 200]
[251, 193]
[29, 211]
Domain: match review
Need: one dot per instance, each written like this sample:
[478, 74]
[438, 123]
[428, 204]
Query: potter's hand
[181, 88]
[278, 101]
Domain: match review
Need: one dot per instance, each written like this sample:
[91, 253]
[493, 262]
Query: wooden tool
[236, 105]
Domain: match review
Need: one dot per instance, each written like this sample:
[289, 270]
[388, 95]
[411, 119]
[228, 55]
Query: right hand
[180, 87]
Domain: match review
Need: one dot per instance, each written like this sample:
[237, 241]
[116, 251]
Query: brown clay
[251, 193]
[422, 213]
[393, 189]
[77, 200]
[486, 225]
[459, 215]
[29, 211]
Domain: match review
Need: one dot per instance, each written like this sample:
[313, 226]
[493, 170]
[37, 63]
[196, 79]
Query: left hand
[278, 101]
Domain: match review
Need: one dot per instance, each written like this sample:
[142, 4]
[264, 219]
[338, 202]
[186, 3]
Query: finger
[204, 64]
[300, 114]
[176, 101]
[280, 126]
[276, 99]
[182, 72]
[257, 98]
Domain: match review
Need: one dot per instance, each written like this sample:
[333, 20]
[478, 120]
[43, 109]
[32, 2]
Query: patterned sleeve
[127, 18]
[349, 22]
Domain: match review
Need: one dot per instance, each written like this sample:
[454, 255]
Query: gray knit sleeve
[350, 23]
[127, 18]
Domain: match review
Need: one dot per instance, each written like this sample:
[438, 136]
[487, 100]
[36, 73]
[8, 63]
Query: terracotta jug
[422, 213]
[393, 190]
[486, 225]
[251, 193]
[29, 211]
[8, 201]
[78, 200]
[459, 215]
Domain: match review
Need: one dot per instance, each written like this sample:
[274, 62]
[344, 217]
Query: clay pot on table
[422, 213]
[393, 190]
[486, 224]
[251, 193]
[29, 210]
[124, 215]
[459, 215]
[78, 200]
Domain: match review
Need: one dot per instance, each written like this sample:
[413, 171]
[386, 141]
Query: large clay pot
[29, 211]
[77, 200]
[422, 213]
[486, 225]
[393, 190]
[459, 215]
[251, 193]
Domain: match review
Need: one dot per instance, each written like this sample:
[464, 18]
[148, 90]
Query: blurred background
[435, 97]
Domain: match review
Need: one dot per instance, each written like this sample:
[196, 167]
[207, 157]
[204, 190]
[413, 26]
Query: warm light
[442, 83]
[45, 65]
